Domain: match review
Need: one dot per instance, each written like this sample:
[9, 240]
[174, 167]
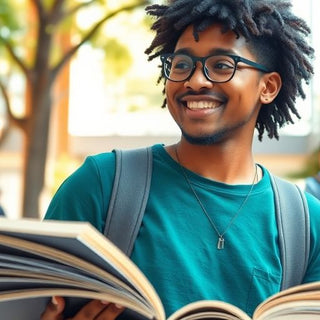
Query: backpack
[130, 195]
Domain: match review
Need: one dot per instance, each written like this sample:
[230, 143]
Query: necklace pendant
[220, 244]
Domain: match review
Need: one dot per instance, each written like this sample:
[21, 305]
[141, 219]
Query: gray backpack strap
[294, 230]
[129, 196]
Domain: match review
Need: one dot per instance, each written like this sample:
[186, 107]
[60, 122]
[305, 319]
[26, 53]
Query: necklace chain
[220, 244]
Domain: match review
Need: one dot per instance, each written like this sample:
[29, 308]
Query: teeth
[202, 104]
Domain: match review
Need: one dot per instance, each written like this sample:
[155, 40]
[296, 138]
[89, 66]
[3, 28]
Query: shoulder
[102, 165]
[94, 168]
[84, 195]
[99, 161]
[314, 215]
[314, 209]
[313, 186]
[313, 271]
[312, 202]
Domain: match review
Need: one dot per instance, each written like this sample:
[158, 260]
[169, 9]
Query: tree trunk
[40, 82]
[36, 146]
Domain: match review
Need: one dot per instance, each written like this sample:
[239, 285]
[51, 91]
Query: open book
[39, 259]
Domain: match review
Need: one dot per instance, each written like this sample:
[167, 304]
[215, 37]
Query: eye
[220, 64]
[181, 63]
[223, 65]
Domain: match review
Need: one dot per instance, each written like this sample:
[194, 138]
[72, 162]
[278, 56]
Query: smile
[197, 105]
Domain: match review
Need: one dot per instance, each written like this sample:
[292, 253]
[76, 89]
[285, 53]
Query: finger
[54, 309]
[110, 312]
[90, 310]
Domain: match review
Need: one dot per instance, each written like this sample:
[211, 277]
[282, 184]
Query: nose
[198, 79]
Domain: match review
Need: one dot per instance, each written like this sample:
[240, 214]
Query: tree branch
[19, 122]
[76, 8]
[39, 8]
[92, 32]
[15, 58]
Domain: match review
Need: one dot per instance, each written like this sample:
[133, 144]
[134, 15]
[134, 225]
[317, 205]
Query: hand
[95, 309]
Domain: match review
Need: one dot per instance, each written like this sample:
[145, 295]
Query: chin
[204, 140]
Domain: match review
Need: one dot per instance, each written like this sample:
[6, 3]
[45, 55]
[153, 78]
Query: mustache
[204, 92]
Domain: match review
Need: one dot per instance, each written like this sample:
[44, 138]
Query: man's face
[208, 112]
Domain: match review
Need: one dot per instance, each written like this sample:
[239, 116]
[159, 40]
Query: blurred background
[74, 81]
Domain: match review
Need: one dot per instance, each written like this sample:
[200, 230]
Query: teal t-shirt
[176, 247]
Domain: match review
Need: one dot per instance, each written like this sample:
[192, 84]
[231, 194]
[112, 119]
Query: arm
[84, 196]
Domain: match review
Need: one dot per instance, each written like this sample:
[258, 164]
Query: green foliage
[35, 35]
[8, 18]
[118, 58]
[14, 29]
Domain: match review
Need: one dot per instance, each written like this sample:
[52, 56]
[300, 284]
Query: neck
[216, 163]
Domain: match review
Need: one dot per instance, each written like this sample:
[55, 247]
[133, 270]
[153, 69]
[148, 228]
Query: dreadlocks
[274, 34]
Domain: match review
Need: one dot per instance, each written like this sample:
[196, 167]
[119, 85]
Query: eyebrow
[211, 52]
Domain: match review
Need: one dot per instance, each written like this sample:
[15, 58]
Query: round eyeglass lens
[220, 68]
[178, 67]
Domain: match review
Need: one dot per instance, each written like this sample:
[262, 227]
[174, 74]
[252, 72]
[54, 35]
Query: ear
[271, 85]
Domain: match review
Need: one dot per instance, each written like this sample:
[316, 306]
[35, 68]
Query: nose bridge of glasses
[199, 64]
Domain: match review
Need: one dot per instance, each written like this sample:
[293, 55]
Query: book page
[304, 292]
[27, 267]
[29, 304]
[209, 309]
[79, 246]
[306, 287]
[296, 310]
[294, 303]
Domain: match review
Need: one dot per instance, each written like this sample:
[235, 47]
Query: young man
[209, 229]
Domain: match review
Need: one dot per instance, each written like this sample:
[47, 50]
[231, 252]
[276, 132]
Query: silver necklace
[221, 240]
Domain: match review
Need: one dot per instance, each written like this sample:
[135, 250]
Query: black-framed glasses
[219, 68]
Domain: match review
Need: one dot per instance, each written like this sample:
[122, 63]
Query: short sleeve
[85, 194]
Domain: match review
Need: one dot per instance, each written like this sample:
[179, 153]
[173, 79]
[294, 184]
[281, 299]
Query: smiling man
[208, 97]
[209, 230]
